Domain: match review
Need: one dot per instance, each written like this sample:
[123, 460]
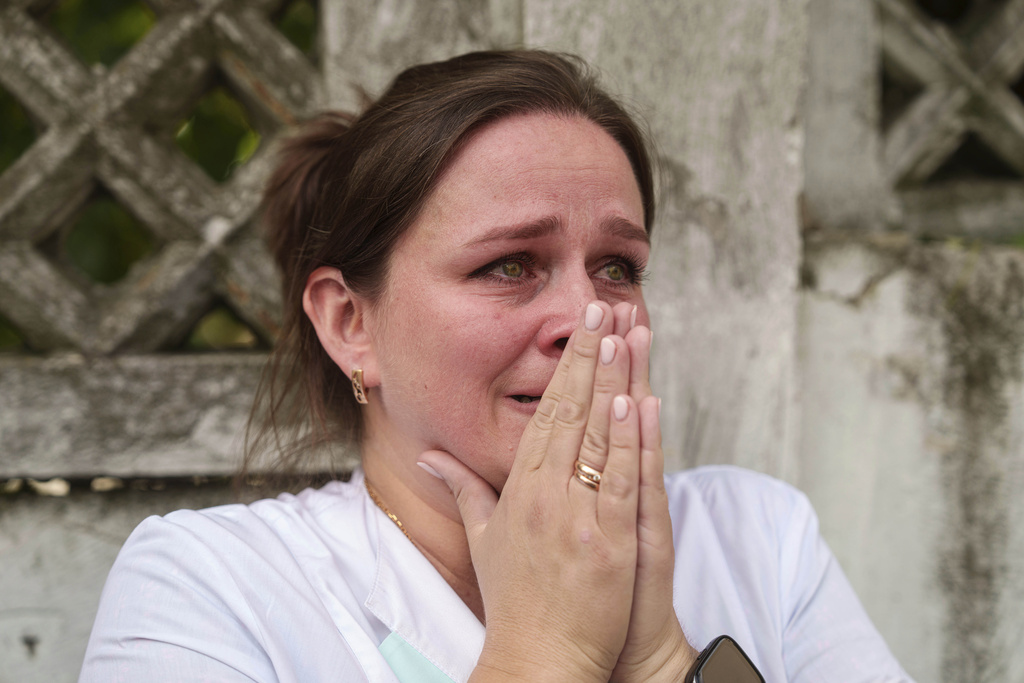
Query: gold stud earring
[357, 386]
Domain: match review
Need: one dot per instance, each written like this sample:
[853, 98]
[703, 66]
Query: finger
[654, 526]
[617, 497]
[570, 407]
[473, 495]
[533, 443]
[610, 380]
[625, 317]
[639, 342]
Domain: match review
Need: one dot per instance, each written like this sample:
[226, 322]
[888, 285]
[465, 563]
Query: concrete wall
[912, 399]
[55, 553]
[803, 327]
[911, 326]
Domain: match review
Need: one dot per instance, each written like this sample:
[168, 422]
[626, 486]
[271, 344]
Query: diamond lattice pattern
[952, 114]
[118, 142]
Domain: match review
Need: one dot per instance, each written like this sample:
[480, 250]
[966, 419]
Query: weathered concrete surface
[721, 85]
[910, 353]
[169, 415]
[912, 446]
[844, 186]
[54, 557]
[367, 43]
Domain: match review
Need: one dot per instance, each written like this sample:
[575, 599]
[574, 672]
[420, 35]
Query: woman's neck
[431, 519]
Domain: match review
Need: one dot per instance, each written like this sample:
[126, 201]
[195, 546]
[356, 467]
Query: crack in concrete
[868, 288]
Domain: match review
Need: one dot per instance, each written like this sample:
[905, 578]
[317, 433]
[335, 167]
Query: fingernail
[607, 350]
[620, 408]
[650, 339]
[430, 470]
[632, 318]
[594, 317]
[659, 407]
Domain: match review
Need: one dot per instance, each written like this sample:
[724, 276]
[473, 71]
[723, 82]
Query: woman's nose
[566, 306]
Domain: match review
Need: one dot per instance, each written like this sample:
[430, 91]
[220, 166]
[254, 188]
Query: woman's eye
[615, 272]
[512, 269]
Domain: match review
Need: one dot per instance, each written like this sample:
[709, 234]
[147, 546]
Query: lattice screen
[953, 147]
[102, 384]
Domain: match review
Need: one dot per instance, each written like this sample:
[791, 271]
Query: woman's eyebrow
[615, 226]
[525, 231]
[626, 229]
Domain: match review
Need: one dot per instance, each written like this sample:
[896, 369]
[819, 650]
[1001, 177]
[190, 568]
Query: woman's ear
[339, 318]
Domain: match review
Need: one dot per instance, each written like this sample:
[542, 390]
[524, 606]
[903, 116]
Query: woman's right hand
[555, 560]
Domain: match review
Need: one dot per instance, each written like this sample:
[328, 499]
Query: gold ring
[587, 475]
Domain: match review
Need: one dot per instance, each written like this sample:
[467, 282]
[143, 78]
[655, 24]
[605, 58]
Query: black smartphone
[724, 661]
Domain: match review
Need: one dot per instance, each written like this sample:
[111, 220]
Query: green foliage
[221, 330]
[10, 340]
[298, 24]
[16, 131]
[218, 135]
[106, 240]
[100, 31]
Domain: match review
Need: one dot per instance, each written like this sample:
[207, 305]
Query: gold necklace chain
[376, 499]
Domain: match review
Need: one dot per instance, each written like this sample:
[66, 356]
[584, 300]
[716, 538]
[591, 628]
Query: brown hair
[347, 188]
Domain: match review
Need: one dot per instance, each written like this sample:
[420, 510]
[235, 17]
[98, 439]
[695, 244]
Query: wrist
[669, 662]
[674, 668]
[536, 662]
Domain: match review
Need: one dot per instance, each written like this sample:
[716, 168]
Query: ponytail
[290, 425]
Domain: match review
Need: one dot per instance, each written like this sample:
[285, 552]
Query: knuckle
[611, 557]
[570, 412]
[535, 518]
[545, 412]
[463, 499]
[606, 383]
[655, 486]
[586, 350]
[621, 440]
[616, 485]
[594, 443]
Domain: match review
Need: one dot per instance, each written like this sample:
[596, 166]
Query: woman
[462, 275]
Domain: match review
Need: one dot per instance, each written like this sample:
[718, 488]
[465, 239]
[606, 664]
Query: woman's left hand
[656, 648]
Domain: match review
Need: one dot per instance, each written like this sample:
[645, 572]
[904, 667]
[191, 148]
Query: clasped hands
[577, 582]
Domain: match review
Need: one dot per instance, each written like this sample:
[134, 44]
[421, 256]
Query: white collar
[412, 599]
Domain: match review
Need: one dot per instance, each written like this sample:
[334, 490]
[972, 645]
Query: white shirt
[323, 587]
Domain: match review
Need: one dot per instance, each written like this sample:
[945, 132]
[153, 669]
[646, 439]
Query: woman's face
[537, 216]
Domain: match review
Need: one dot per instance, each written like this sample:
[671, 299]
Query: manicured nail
[632, 318]
[620, 408]
[594, 317]
[607, 351]
[430, 470]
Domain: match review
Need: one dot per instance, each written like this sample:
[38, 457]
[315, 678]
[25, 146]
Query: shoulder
[232, 549]
[745, 513]
[292, 520]
[730, 490]
[227, 588]
[242, 555]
